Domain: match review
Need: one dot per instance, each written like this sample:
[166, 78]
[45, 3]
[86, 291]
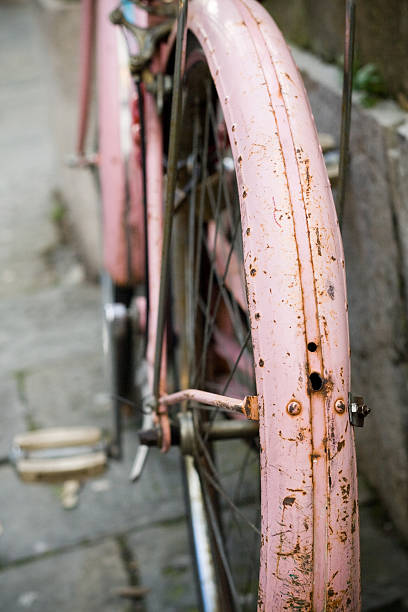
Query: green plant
[369, 80]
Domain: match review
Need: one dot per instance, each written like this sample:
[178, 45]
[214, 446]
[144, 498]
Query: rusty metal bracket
[248, 406]
[358, 410]
[147, 39]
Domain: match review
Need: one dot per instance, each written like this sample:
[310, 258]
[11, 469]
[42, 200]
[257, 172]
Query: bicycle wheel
[211, 324]
[254, 210]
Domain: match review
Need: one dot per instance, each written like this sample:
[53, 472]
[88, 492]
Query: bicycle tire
[294, 270]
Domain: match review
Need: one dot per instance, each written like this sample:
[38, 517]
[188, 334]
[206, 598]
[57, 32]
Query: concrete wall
[60, 21]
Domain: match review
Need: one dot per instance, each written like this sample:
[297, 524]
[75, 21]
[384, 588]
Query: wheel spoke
[216, 342]
[211, 320]
[214, 481]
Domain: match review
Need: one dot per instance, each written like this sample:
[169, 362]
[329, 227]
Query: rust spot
[257, 316]
[334, 575]
[290, 553]
[343, 536]
[261, 363]
[233, 127]
[295, 579]
[253, 271]
[251, 407]
[345, 492]
[330, 291]
[240, 160]
[289, 501]
[318, 243]
[354, 517]
[341, 445]
[248, 230]
[325, 328]
[295, 603]
[314, 457]
[244, 193]
[288, 77]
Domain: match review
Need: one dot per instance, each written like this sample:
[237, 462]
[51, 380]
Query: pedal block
[59, 454]
[327, 141]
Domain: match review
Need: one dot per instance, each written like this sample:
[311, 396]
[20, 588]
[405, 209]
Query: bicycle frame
[310, 560]
[119, 151]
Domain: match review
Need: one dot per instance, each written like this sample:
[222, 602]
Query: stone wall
[381, 33]
[375, 234]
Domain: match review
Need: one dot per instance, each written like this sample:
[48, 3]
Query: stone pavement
[51, 373]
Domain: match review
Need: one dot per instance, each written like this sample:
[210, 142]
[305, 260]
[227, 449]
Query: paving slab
[43, 327]
[12, 415]
[165, 567]
[26, 155]
[70, 391]
[80, 580]
[34, 521]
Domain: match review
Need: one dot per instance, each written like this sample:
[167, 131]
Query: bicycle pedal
[327, 141]
[59, 454]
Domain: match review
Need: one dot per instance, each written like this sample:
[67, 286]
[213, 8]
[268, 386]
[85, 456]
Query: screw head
[340, 406]
[293, 408]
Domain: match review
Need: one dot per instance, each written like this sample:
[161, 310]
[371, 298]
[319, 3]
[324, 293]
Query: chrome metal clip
[358, 410]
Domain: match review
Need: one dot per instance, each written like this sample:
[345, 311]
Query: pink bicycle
[244, 304]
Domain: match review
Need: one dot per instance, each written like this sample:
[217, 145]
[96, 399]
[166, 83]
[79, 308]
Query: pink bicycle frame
[119, 154]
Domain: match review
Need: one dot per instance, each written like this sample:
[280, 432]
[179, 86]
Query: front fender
[294, 267]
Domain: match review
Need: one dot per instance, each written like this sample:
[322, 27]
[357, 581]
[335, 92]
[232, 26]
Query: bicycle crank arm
[139, 462]
[142, 452]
